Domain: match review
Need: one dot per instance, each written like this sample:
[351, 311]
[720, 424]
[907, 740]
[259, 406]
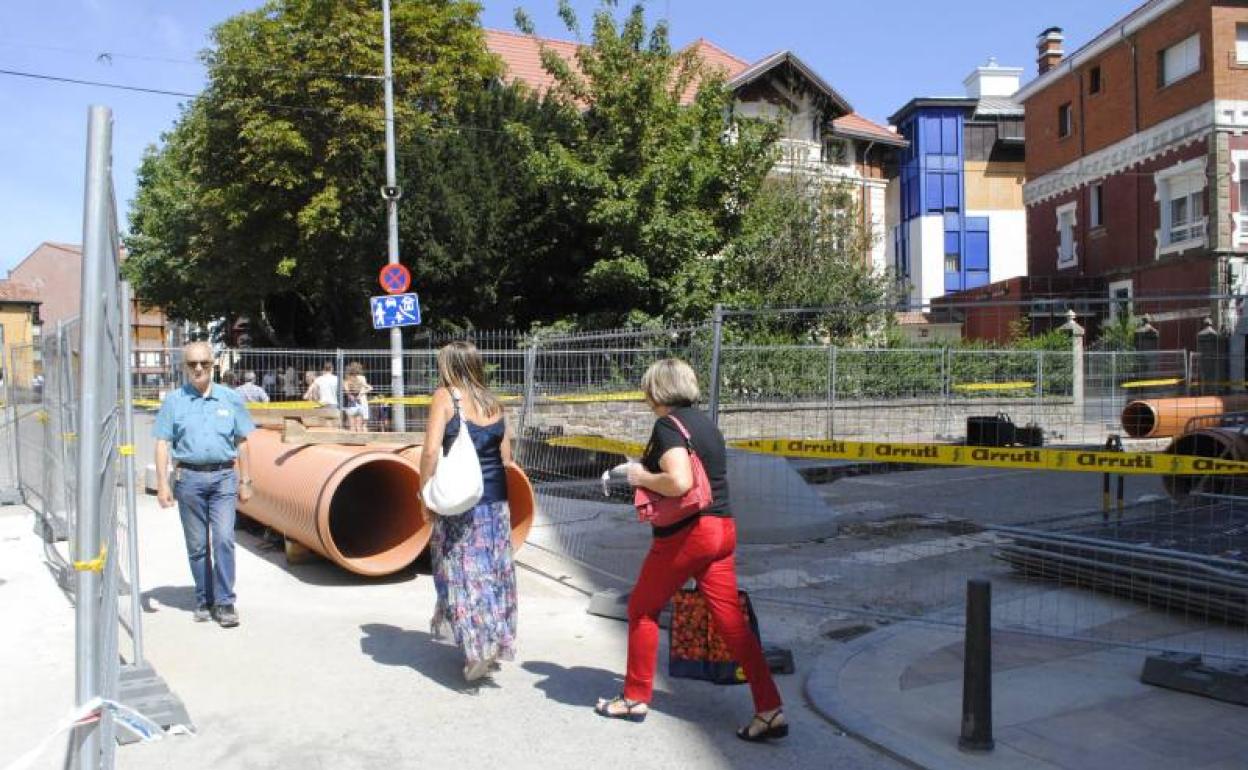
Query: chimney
[1049, 51]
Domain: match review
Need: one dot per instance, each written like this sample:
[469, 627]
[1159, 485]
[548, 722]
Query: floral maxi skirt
[475, 579]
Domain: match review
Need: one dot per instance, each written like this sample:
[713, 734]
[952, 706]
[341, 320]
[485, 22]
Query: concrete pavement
[1064, 704]
[330, 670]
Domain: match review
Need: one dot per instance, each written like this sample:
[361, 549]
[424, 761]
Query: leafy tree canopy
[653, 174]
[263, 200]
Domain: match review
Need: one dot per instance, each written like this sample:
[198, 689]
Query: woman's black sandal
[634, 710]
[771, 730]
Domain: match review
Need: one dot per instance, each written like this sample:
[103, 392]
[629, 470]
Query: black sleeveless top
[488, 440]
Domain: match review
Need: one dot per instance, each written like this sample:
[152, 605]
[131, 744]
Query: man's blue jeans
[206, 503]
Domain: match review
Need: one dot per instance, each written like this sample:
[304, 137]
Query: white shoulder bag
[456, 485]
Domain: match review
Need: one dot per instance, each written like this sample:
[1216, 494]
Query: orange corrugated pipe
[357, 506]
[1161, 417]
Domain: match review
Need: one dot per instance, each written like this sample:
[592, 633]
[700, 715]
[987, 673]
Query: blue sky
[878, 57]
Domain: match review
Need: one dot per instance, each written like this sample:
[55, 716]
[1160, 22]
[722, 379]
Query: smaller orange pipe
[1161, 417]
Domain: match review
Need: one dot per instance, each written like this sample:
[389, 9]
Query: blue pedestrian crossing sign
[395, 310]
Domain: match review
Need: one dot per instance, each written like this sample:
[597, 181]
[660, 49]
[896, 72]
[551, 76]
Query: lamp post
[391, 193]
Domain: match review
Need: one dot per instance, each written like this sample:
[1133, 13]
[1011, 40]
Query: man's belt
[207, 466]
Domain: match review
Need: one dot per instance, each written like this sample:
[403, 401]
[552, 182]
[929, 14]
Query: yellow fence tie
[70, 436]
[42, 416]
[1151, 383]
[96, 564]
[976, 386]
[126, 450]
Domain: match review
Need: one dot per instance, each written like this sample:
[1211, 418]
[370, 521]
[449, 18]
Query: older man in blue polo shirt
[204, 425]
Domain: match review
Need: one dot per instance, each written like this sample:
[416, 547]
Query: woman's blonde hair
[670, 382]
[460, 366]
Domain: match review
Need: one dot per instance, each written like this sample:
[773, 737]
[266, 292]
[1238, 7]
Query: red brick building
[1137, 163]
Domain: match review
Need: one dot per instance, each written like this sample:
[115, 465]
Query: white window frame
[1183, 181]
[1239, 219]
[1096, 214]
[1180, 60]
[1241, 43]
[1067, 260]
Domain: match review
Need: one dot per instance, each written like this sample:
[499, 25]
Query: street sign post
[394, 310]
[394, 278]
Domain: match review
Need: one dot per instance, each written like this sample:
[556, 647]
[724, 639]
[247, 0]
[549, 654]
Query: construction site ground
[332, 670]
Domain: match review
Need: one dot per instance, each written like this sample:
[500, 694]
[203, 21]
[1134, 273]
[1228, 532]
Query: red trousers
[703, 550]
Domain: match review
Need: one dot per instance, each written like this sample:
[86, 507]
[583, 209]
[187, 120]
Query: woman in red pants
[701, 546]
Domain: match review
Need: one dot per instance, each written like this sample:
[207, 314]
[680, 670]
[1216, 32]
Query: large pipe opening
[375, 520]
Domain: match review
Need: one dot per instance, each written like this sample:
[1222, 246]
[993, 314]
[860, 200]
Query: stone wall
[864, 421]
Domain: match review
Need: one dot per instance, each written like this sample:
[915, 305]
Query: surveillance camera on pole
[391, 192]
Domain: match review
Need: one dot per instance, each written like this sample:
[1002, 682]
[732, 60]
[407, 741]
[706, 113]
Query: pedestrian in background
[473, 571]
[355, 390]
[203, 426]
[324, 389]
[701, 546]
[229, 379]
[269, 383]
[290, 386]
[250, 391]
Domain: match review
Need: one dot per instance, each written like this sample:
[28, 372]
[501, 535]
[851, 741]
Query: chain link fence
[1125, 559]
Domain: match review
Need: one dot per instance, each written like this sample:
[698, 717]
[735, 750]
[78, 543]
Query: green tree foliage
[803, 244]
[656, 183]
[263, 200]
[493, 247]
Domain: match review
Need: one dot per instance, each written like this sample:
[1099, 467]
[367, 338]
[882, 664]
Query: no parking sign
[394, 279]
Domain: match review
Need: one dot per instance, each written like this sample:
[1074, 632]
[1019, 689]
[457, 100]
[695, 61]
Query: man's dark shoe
[225, 615]
[202, 613]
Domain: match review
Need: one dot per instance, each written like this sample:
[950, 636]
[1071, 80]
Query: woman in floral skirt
[473, 570]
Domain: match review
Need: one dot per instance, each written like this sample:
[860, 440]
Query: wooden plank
[295, 432]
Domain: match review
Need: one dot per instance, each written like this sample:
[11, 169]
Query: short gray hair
[670, 382]
[249, 377]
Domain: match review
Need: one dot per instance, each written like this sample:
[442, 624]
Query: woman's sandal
[633, 710]
[770, 729]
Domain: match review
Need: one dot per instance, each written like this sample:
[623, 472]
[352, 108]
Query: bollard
[977, 669]
[1112, 444]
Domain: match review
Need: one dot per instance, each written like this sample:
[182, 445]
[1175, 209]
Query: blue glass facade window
[931, 177]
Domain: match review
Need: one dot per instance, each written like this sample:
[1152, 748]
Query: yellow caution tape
[126, 450]
[599, 444]
[1127, 463]
[1151, 383]
[253, 405]
[592, 398]
[146, 403]
[70, 436]
[975, 386]
[94, 565]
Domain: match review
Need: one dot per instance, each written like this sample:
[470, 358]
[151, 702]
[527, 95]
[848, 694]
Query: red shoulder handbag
[662, 511]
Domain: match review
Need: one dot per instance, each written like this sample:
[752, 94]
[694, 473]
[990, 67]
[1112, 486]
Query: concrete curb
[822, 692]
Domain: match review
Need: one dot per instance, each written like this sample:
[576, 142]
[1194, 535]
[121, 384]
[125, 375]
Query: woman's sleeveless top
[488, 440]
